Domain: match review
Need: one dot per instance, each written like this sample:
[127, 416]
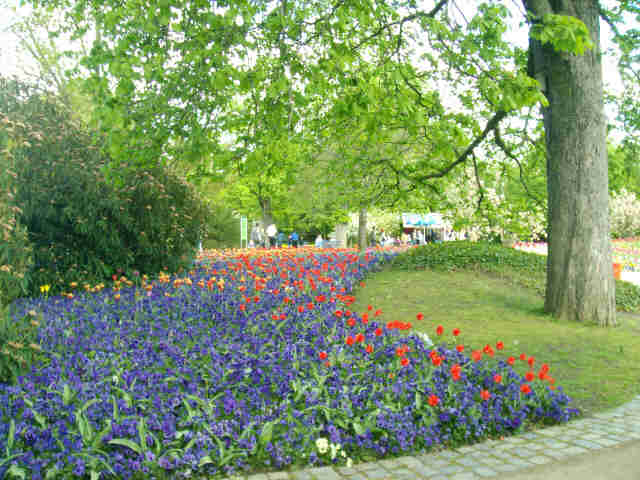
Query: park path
[603, 446]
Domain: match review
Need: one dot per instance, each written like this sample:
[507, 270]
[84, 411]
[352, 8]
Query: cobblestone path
[490, 458]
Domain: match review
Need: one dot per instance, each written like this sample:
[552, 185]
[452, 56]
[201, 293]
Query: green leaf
[206, 460]
[88, 403]
[125, 442]
[97, 441]
[40, 419]
[14, 471]
[267, 433]
[66, 395]
[52, 472]
[359, 429]
[116, 410]
[11, 437]
[142, 434]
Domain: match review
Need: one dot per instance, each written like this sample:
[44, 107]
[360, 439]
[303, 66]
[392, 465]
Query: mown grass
[500, 298]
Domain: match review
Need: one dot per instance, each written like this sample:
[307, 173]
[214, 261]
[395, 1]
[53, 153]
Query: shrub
[163, 219]
[464, 255]
[15, 249]
[85, 227]
[627, 296]
[624, 208]
[19, 347]
[223, 228]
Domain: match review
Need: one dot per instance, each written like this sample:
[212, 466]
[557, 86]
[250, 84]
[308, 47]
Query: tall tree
[580, 284]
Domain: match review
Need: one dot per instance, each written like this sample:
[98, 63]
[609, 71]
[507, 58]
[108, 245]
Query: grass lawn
[599, 368]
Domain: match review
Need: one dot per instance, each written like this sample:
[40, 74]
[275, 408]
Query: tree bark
[580, 284]
[362, 229]
[267, 215]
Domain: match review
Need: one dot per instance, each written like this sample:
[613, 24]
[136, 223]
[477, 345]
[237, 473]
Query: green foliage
[223, 227]
[19, 347]
[463, 255]
[627, 296]
[85, 227]
[524, 268]
[624, 167]
[15, 248]
[565, 33]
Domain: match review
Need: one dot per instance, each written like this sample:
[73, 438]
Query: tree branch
[492, 124]
[476, 174]
[430, 14]
[498, 139]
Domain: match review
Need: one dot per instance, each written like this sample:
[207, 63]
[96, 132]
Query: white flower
[322, 444]
[425, 338]
[349, 462]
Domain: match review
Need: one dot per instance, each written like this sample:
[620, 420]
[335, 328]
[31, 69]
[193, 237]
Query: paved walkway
[604, 446]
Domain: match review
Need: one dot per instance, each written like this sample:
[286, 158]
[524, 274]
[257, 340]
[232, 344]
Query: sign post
[243, 232]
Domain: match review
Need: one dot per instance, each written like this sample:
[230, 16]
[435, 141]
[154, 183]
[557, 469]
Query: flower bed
[251, 363]
[625, 252]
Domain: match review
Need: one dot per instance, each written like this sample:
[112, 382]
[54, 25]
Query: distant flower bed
[625, 251]
[252, 361]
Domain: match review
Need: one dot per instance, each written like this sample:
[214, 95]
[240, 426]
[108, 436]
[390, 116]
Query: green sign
[244, 238]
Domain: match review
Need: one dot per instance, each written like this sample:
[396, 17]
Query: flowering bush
[624, 208]
[248, 362]
[505, 211]
[15, 249]
[82, 225]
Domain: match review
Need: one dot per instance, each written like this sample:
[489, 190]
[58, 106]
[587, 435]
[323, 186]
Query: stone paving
[490, 458]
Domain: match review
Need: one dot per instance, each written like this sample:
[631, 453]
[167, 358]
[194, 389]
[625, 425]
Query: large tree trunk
[580, 284]
[267, 214]
[362, 229]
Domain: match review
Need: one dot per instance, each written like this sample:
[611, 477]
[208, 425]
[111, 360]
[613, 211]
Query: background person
[272, 231]
[294, 239]
[256, 236]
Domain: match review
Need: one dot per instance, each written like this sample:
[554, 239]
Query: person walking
[272, 231]
[294, 239]
[256, 236]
